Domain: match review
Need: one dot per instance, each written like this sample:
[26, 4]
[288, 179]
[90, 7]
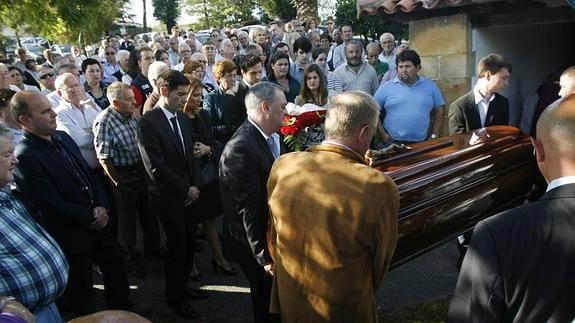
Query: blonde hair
[348, 112]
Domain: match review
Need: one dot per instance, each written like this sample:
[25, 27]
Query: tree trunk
[144, 22]
[306, 9]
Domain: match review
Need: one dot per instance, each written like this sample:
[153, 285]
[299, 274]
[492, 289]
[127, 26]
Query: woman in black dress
[205, 148]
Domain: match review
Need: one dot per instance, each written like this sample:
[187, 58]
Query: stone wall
[444, 45]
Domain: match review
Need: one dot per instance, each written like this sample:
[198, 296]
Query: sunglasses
[47, 75]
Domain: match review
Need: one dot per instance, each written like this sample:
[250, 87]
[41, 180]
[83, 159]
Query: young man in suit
[483, 106]
[244, 169]
[519, 266]
[165, 141]
[52, 173]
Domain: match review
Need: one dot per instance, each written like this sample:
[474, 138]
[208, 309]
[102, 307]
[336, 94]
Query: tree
[62, 20]
[167, 11]
[306, 9]
[219, 13]
[371, 26]
[279, 9]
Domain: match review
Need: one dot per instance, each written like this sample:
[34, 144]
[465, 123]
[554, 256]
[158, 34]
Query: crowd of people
[172, 133]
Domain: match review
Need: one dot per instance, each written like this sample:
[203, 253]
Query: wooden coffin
[448, 184]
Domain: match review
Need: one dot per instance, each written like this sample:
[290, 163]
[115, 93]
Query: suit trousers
[105, 253]
[260, 289]
[180, 229]
[131, 196]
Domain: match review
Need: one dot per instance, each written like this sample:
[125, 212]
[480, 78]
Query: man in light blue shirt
[412, 106]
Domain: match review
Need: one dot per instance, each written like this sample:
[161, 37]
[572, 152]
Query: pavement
[430, 276]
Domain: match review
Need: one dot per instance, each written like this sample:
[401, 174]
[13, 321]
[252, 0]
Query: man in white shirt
[387, 43]
[339, 51]
[355, 74]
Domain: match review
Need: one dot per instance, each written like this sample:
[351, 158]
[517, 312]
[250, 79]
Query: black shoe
[194, 293]
[217, 267]
[184, 308]
[135, 268]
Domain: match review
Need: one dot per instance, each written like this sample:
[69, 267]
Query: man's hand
[193, 195]
[100, 218]
[269, 268]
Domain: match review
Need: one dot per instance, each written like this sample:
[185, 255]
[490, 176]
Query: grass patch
[432, 311]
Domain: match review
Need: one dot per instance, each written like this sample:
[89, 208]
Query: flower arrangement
[297, 121]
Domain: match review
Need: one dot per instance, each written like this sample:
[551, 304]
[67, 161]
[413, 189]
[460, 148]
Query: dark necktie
[176, 129]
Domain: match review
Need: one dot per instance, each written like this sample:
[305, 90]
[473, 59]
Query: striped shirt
[115, 138]
[33, 268]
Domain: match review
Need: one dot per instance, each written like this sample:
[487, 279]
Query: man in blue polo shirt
[412, 106]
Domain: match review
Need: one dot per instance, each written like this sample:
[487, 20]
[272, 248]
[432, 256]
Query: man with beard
[354, 73]
[408, 101]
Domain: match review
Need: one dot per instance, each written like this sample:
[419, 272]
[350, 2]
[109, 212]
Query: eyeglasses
[111, 53]
[45, 76]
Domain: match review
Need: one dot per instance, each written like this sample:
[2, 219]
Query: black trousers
[180, 229]
[131, 195]
[261, 288]
[105, 253]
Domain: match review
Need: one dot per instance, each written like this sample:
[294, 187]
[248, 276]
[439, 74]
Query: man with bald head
[520, 265]
[567, 82]
[53, 175]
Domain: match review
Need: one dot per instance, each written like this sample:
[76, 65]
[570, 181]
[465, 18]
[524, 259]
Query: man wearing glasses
[111, 66]
[46, 76]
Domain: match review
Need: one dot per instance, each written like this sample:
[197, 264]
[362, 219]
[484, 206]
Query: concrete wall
[534, 50]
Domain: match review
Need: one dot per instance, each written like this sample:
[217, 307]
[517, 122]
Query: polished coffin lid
[447, 185]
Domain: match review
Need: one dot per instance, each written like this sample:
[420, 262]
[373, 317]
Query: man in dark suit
[520, 266]
[244, 169]
[483, 106]
[52, 173]
[165, 142]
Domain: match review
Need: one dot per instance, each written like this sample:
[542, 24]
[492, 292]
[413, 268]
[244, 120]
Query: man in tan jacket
[334, 221]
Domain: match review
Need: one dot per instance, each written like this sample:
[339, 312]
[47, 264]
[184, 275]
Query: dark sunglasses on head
[47, 75]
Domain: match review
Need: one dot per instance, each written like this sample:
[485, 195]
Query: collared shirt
[390, 59]
[560, 182]
[329, 142]
[173, 57]
[115, 138]
[482, 103]
[110, 69]
[33, 268]
[17, 134]
[209, 77]
[296, 71]
[169, 115]
[274, 135]
[339, 55]
[408, 107]
[364, 80]
[78, 123]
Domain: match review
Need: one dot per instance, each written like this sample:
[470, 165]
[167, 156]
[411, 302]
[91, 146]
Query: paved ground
[430, 276]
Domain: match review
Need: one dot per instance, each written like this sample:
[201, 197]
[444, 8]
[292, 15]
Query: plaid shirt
[115, 138]
[33, 269]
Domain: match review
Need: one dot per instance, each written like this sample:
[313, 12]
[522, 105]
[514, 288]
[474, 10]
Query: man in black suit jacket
[52, 173]
[483, 106]
[520, 266]
[244, 169]
[166, 143]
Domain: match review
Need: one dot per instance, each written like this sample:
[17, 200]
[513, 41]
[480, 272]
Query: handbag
[209, 173]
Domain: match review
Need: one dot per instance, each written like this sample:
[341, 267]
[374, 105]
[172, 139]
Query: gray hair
[354, 42]
[241, 33]
[122, 53]
[155, 69]
[348, 112]
[184, 46]
[259, 93]
[59, 82]
[114, 91]
[224, 42]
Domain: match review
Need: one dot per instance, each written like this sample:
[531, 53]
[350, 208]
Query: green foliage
[279, 9]
[62, 20]
[167, 11]
[220, 13]
[371, 26]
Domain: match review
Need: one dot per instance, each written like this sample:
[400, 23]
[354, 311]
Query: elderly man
[387, 43]
[483, 106]
[154, 71]
[244, 168]
[519, 265]
[355, 74]
[165, 140]
[122, 58]
[347, 219]
[209, 51]
[111, 66]
[339, 53]
[372, 51]
[33, 268]
[185, 53]
[244, 40]
[47, 76]
[6, 118]
[117, 152]
[413, 105]
[53, 174]
[173, 54]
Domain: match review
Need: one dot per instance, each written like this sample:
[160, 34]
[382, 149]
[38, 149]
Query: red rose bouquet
[297, 121]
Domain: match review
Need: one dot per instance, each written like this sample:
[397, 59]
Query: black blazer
[171, 170]
[464, 114]
[520, 266]
[57, 191]
[245, 166]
